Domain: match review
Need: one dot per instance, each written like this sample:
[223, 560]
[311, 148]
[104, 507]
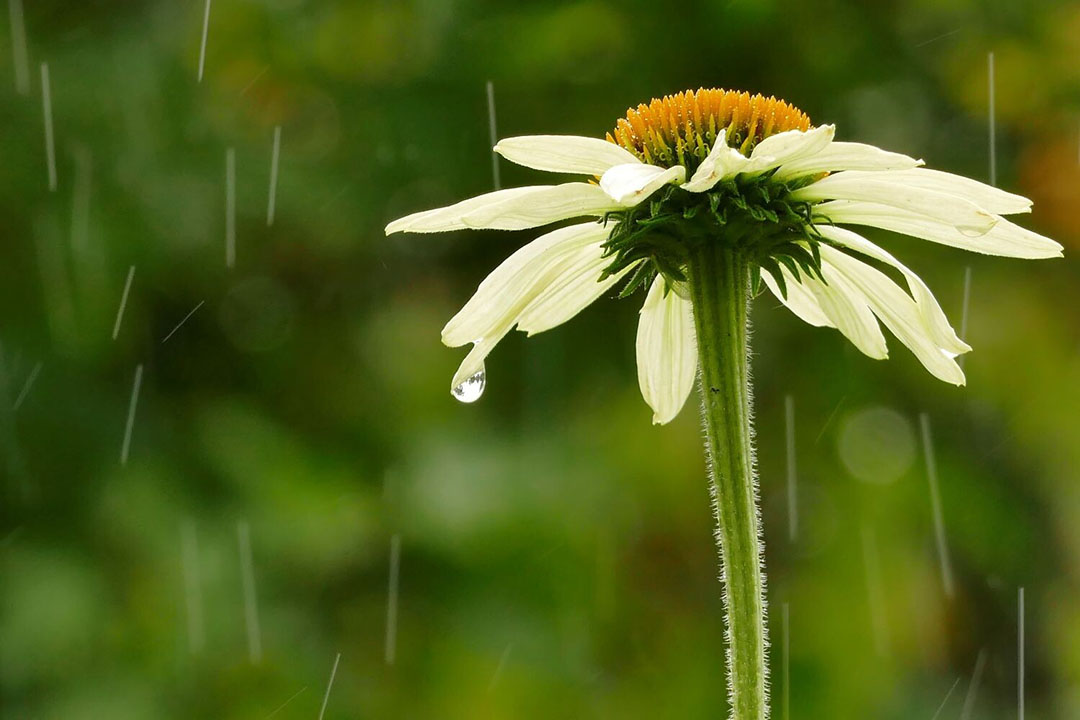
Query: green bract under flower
[754, 215]
[715, 166]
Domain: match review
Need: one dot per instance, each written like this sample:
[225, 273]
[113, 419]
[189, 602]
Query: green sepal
[773, 269]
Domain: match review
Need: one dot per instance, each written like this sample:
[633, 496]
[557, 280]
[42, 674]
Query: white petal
[544, 205]
[835, 304]
[1005, 238]
[897, 310]
[449, 218]
[629, 184]
[800, 300]
[510, 288]
[846, 156]
[564, 153]
[848, 311]
[722, 162]
[967, 217]
[789, 146]
[933, 316]
[576, 286]
[987, 197]
[666, 352]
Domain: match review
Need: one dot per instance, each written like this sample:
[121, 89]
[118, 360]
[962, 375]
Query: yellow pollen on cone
[680, 129]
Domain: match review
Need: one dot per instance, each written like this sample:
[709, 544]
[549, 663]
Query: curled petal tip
[828, 130]
[658, 419]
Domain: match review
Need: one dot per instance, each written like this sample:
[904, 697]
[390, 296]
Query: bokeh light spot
[877, 445]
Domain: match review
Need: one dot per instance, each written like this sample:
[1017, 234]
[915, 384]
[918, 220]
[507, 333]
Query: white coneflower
[723, 167]
[699, 197]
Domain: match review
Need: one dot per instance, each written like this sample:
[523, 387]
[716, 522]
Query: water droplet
[471, 390]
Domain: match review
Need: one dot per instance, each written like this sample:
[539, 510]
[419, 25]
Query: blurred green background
[555, 549]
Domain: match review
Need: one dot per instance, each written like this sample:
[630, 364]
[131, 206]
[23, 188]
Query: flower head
[716, 166]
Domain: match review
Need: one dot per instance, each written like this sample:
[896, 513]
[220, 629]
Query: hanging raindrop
[471, 390]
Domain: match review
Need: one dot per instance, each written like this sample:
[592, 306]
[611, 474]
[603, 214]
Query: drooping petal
[848, 311]
[564, 153]
[546, 205]
[629, 184]
[896, 309]
[788, 146]
[839, 155]
[449, 218]
[576, 286]
[722, 162]
[799, 299]
[508, 290]
[967, 217]
[933, 316]
[987, 197]
[666, 352]
[1005, 239]
[835, 303]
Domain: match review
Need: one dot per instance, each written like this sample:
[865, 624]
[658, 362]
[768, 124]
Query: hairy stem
[719, 280]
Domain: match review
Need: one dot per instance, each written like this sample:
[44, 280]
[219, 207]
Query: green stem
[719, 280]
